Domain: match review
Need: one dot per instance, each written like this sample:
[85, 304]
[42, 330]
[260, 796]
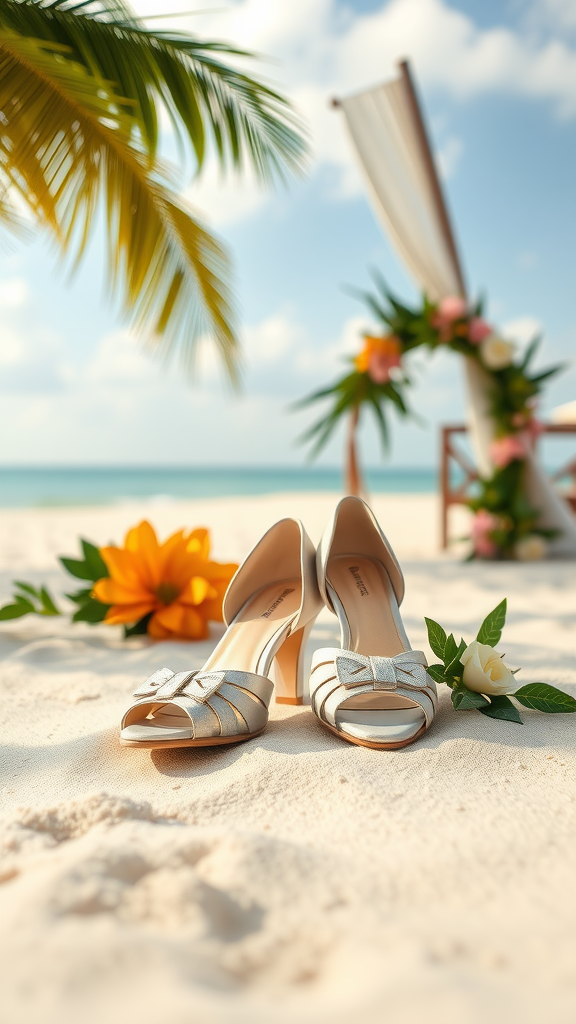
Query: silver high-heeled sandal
[270, 606]
[375, 691]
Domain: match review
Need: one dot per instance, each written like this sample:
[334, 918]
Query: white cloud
[226, 201]
[329, 360]
[319, 49]
[522, 329]
[122, 401]
[11, 347]
[552, 16]
[13, 293]
[272, 339]
[32, 358]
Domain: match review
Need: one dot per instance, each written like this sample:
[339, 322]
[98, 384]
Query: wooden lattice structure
[460, 493]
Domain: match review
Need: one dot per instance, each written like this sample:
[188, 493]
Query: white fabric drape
[386, 139]
[384, 135]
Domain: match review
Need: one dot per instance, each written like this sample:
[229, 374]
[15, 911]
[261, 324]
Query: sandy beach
[292, 877]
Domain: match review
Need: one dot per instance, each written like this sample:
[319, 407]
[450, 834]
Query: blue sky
[499, 85]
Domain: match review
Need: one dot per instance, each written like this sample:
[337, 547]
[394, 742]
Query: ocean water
[22, 487]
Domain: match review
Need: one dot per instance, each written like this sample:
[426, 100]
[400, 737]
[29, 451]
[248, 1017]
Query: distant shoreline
[61, 486]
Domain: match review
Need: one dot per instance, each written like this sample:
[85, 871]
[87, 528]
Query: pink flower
[528, 424]
[533, 430]
[453, 307]
[482, 525]
[504, 450]
[380, 364]
[520, 419]
[484, 547]
[478, 329]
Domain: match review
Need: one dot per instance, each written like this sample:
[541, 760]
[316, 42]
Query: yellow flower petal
[145, 575]
[198, 543]
[111, 592]
[197, 591]
[219, 571]
[131, 539]
[212, 608]
[171, 617]
[121, 565]
[194, 626]
[122, 614]
[172, 548]
[157, 631]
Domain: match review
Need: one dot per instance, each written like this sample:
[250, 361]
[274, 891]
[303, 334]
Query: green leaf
[92, 567]
[530, 352]
[450, 650]
[17, 610]
[542, 697]
[437, 673]
[91, 611]
[463, 699]
[94, 79]
[139, 628]
[27, 588]
[94, 560]
[48, 606]
[436, 637]
[503, 709]
[80, 596]
[491, 629]
[455, 666]
[81, 570]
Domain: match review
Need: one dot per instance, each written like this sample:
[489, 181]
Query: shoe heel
[289, 667]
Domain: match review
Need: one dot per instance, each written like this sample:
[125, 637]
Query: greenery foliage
[380, 380]
[28, 600]
[81, 87]
[91, 567]
[450, 670]
[350, 393]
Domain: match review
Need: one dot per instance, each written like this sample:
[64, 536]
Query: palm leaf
[67, 143]
[381, 421]
[80, 85]
[246, 121]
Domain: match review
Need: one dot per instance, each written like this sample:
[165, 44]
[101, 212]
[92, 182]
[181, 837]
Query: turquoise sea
[101, 485]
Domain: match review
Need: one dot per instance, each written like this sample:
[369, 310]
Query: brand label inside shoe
[278, 601]
[354, 569]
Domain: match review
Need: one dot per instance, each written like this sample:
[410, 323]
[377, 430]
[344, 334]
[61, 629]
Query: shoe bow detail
[165, 684]
[404, 670]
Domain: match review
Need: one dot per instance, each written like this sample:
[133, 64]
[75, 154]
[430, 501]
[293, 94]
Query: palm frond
[65, 140]
[10, 218]
[530, 352]
[348, 393]
[246, 121]
[381, 422]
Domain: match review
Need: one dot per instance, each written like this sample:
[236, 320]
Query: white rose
[496, 353]
[484, 670]
[531, 549]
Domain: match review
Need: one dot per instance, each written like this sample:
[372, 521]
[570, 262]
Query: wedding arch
[389, 137]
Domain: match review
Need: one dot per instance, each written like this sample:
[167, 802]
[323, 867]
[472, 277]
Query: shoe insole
[267, 614]
[369, 603]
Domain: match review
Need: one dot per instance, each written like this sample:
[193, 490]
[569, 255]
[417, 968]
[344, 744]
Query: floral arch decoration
[505, 524]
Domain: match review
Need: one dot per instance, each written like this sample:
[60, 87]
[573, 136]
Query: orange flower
[174, 580]
[378, 357]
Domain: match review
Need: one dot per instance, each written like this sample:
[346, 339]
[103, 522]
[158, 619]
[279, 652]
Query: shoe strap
[210, 699]
[339, 674]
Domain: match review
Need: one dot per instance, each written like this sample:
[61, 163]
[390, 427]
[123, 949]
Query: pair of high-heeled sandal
[373, 690]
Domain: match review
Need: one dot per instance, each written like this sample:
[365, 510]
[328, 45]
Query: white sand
[294, 877]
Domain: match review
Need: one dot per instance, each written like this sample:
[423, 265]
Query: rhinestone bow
[384, 673]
